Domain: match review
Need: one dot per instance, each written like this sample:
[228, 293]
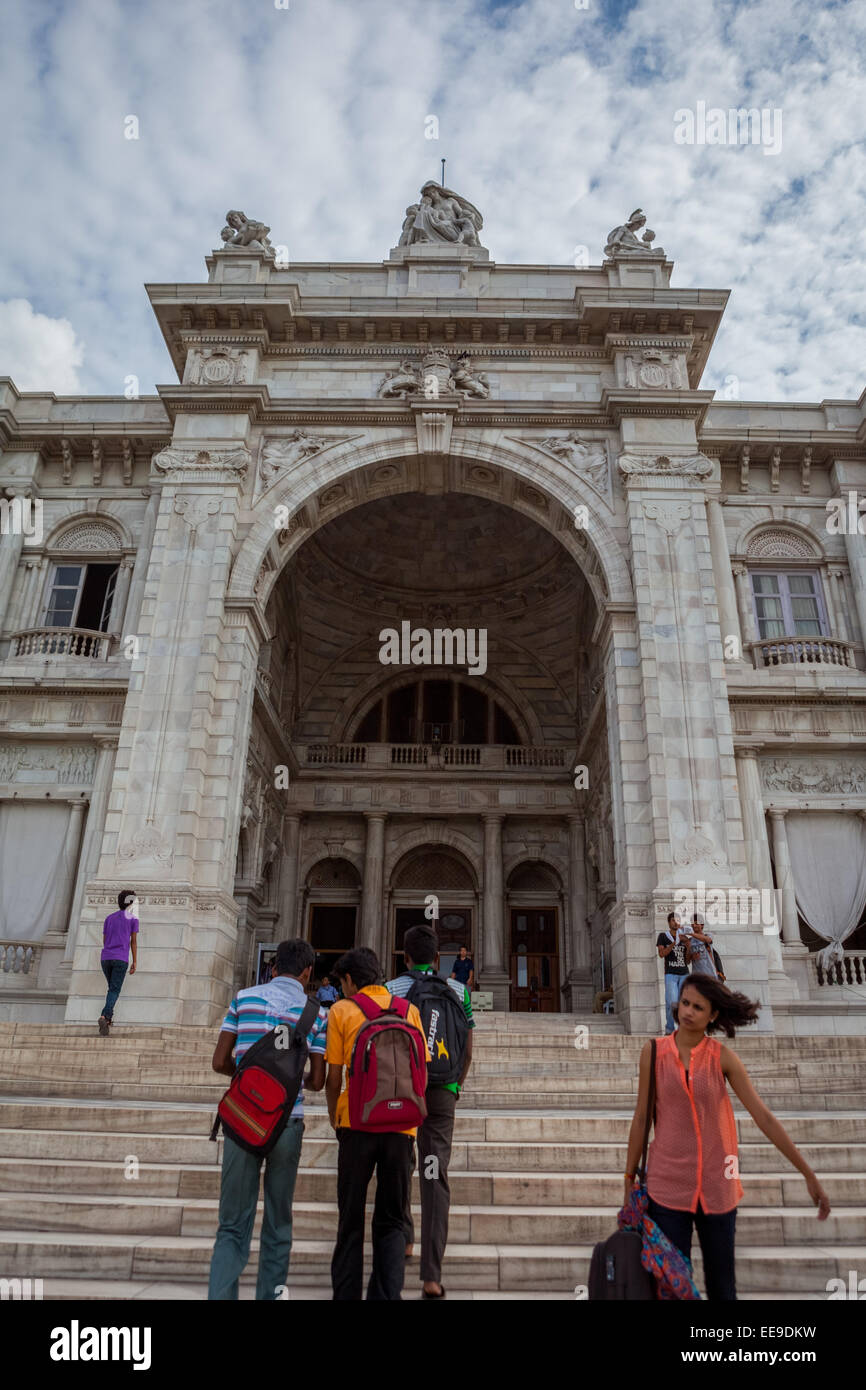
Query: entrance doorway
[534, 960]
[455, 930]
[332, 931]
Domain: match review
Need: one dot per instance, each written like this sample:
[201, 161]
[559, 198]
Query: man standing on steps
[251, 1014]
[119, 935]
[446, 1015]
[672, 947]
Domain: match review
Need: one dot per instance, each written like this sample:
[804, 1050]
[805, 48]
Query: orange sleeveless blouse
[693, 1156]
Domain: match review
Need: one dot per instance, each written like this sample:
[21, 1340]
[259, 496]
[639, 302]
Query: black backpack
[445, 1025]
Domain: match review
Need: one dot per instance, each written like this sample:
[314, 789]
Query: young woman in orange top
[692, 1166]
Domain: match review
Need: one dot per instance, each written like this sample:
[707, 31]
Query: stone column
[62, 900]
[855, 548]
[288, 887]
[11, 546]
[121, 594]
[758, 866]
[139, 570]
[785, 881]
[374, 880]
[494, 975]
[726, 597]
[24, 610]
[93, 830]
[836, 582]
[579, 979]
[744, 603]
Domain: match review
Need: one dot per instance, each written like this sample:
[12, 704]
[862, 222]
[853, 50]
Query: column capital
[739, 569]
[493, 817]
[106, 740]
[576, 818]
[776, 813]
[376, 815]
[747, 750]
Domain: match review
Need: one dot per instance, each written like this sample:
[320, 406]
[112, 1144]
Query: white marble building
[193, 702]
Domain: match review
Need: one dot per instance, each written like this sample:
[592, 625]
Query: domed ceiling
[453, 547]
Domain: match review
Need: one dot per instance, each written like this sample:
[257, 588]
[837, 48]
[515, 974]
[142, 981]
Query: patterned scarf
[658, 1256]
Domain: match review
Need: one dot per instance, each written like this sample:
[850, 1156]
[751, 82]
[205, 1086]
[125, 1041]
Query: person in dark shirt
[464, 970]
[673, 947]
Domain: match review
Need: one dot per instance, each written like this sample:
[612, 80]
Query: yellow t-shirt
[345, 1021]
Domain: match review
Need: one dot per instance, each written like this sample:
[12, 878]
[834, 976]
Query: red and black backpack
[388, 1071]
[258, 1104]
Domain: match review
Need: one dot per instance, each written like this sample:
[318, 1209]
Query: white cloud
[556, 122]
[40, 353]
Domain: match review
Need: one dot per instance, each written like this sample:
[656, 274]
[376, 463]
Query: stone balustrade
[67, 642]
[802, 651]
[851, 970]
[18, 957]
[484, 757]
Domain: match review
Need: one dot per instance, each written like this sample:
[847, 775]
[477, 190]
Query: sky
[556, 117]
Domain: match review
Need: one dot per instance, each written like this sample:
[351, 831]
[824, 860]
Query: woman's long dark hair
[734, 1010]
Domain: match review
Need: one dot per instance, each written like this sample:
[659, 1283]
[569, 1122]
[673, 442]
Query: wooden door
[534, 960]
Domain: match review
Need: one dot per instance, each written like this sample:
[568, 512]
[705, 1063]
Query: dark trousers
[434, 1153]
[115, 973]
[716, 1235]
[359, 1155]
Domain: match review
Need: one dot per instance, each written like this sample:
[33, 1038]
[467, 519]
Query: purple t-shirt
[116, 935]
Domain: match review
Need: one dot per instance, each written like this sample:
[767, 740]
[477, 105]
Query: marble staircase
[109, 1184]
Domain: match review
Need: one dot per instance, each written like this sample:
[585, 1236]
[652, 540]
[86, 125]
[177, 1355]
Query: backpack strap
[369, 1008]
[308, 1017]
[650, 1113]
[400, 1006]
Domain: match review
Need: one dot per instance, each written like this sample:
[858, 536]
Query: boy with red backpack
[379, 1039]
[272, 1029]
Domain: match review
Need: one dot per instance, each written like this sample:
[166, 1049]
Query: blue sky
[556, 122]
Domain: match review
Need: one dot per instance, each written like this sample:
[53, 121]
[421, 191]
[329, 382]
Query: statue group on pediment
[434, 374]
[624, 241]
[243, 233]
[441, 217]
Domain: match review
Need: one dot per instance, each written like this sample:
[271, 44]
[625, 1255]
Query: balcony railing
[802, 651]
[851, 970]
[18, 957]
[70, 643]
[491, 757]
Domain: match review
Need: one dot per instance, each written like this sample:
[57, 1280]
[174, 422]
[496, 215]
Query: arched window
[436, 711]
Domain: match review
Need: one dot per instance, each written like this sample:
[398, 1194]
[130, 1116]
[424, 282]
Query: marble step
[470, 1187]
[126, 1290]
[525, 1268]
[468, 1225]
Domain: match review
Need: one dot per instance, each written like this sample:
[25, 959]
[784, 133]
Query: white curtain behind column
[828, 859]
[32, 870]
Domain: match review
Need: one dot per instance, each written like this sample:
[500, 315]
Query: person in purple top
[119, 934]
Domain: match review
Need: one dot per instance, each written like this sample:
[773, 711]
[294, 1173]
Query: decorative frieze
[66, 764]
[824, 776]
[202, 465]
[688, 471]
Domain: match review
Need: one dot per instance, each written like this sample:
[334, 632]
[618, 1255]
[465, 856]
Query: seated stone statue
[441, 217]
[623, 241]
[240, 231]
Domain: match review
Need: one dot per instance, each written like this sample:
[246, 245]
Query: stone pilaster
[494, 976]
[760, 873]
[578, 993]
[726, 597]
[11, 547]
[174, 808]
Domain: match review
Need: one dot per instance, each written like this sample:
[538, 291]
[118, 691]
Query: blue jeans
[673, 989]
[239, 1196]
[115, 973]
[716, 1235]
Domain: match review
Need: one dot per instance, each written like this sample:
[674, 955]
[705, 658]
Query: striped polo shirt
[401, 987]
[256, 1011]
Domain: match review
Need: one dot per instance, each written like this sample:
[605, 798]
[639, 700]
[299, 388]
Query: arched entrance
[333, 895]
[534, 914]
[431, 870]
